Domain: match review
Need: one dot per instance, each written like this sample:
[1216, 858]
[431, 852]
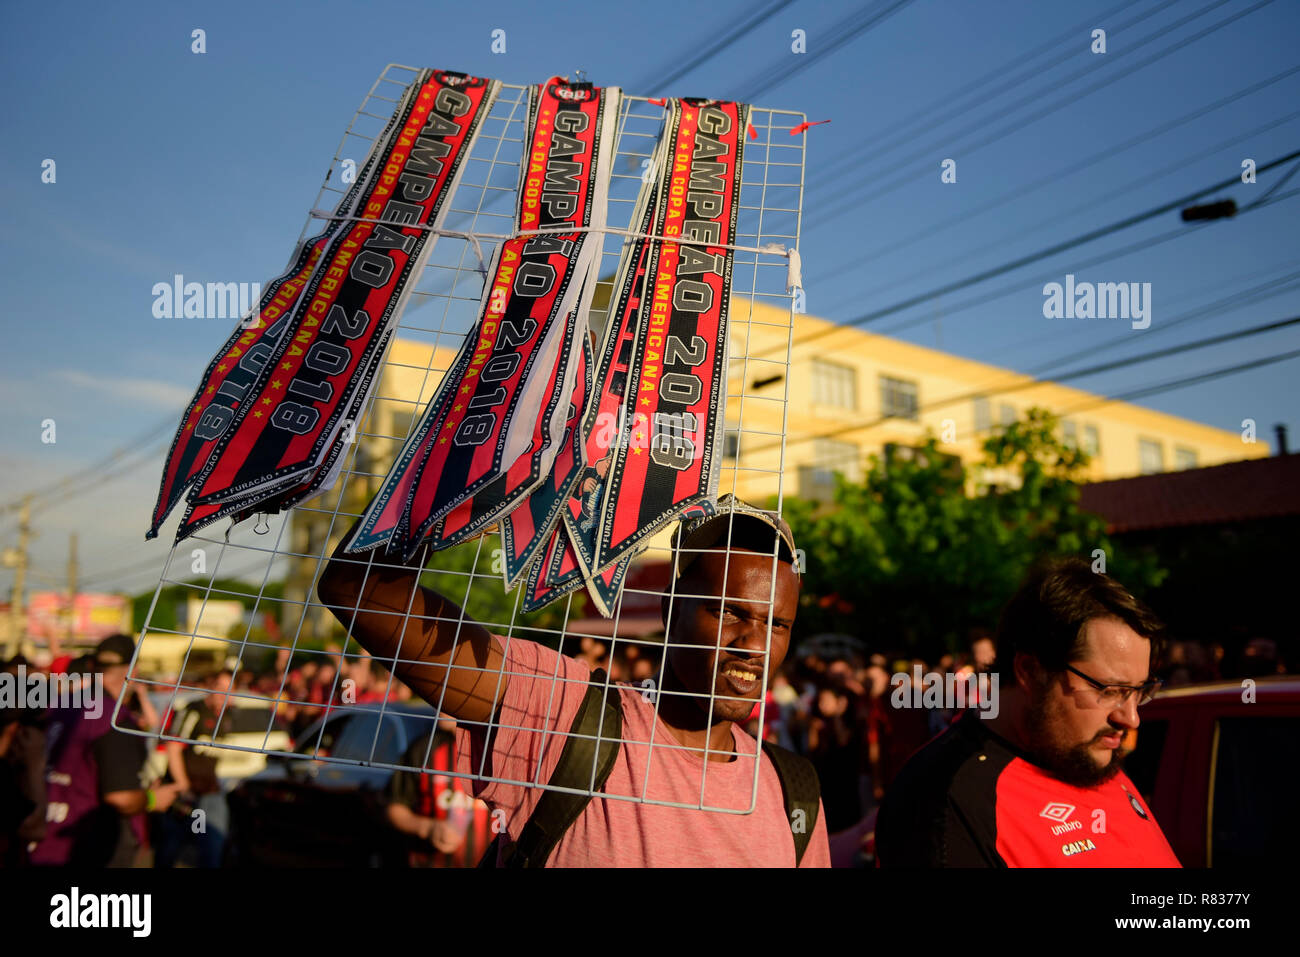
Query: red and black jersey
[435, 795]
[970, 798]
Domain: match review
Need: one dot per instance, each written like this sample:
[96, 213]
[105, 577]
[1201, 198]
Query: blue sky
[171, 162]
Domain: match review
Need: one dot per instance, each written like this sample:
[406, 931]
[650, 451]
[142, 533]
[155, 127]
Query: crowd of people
[829, 701]
[75, 789]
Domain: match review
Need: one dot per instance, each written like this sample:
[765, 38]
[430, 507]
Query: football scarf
[558, 572]
[569, 559]
[239, 363]
[504, 493]
[507, 399]
[568, 549]
[555, 573]
[401, 157]
[526, 530]
[604, 586]
[226, 381]
[676, 398]
[382, 515]
[336, 344]
[603, 427]
[522, 362]
[198, 516]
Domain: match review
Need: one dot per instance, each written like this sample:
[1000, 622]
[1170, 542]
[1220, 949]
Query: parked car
[323, 805]
[1220, 765]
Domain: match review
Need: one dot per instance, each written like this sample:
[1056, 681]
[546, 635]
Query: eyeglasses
[1117, 696]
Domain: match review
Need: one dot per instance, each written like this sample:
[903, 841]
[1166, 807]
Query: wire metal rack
[271, 564]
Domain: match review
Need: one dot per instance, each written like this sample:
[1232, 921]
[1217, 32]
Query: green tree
[169, 614]
[911, 560]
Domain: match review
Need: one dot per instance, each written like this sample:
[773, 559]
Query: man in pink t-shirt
[681, 744]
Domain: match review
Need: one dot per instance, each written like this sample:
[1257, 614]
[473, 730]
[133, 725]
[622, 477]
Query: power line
[95, 469]
[844, 205]
[1230, 302]
[970, 94]
[1030, 383]
[1055, 178]
[1079, 240]
[97, 578]
[1258, 293]
[714, 48]
[1189, 380]
[1266, 198]
[1143, 245]
[843, 31]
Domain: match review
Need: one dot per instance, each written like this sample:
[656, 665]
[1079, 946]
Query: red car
[1220, 766]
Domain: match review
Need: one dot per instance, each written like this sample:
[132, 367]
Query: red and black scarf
[676, 397]
[495, 426]
[498, 442]
[278, 396]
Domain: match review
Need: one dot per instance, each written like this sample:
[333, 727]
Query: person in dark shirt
[1039, 782]
[193, 767]
[835, 747]
[452, 827]
[93, 774]
[22, 777]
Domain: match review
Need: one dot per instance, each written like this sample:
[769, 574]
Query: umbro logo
[1057, 811]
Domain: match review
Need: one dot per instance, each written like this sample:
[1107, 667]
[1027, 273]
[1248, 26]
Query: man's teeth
[742, 675]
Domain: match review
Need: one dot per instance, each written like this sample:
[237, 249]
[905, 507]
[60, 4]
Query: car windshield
[364, 732]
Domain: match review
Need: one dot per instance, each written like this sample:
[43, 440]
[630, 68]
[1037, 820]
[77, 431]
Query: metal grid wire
[443, 307]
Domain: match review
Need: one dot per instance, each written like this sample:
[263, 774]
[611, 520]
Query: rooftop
[1233, 492]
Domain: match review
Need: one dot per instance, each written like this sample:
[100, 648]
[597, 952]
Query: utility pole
[16, 558]
[72, 591]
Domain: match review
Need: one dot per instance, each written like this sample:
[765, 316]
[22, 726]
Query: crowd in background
[830, 701]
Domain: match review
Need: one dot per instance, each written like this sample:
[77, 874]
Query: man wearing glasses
[1041, 784]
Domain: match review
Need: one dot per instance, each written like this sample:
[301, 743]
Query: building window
[1091, 440]
[1151, 456]
[1070, 434]
[1007, 415]
[833, 456]
[1184, 458]
[817, 481]
[983, 415]
[731, 444]
[899, 398]
[834, 384]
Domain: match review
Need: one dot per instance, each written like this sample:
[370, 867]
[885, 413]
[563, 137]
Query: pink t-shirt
[541, 700]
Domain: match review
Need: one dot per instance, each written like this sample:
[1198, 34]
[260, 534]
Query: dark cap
[114, 650]
[736, 523]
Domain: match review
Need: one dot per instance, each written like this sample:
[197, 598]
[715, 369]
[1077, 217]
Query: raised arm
[392, 616]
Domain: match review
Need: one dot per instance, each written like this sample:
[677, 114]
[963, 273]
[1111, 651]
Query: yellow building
[844, 395]
[853, 393]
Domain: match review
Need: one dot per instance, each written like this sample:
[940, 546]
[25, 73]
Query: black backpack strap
[802, 792]
[557, 810]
